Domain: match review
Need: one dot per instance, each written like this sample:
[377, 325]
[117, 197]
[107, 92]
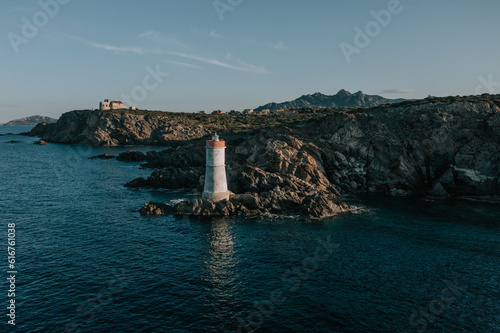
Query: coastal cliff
[437, 147]
[113, 128]
[128, 127]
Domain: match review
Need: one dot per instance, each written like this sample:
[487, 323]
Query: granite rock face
[99, 128]
[440, 147]
[444, 149]
[279, 177]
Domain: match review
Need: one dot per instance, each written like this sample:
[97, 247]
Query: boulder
[439, 191]
[171, 178]
[131, 156]
[155, 208]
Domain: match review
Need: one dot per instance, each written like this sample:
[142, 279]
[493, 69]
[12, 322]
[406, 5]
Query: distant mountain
[30, 121]
[342, 99]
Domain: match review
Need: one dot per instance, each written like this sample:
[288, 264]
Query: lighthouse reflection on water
[220, 269]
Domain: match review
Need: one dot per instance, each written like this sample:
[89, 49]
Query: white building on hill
[111, 105]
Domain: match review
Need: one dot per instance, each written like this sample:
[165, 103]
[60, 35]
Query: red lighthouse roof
[215, 142]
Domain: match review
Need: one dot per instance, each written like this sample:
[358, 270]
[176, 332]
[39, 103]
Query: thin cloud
[138, 50]
[398, 91]
[182, 64]
[115, 49]
[279, 46]
[243, 66]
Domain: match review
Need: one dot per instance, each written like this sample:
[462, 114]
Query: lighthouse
[215, 173]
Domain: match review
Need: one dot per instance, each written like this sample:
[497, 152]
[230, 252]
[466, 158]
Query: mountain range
[342, 99]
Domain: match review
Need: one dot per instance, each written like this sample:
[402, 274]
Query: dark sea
[87, 261]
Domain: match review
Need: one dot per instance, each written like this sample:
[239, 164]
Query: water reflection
[220, 261]
[220, 269]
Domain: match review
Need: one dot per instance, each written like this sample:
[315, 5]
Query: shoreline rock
[102, 157]
[251, 204]
[131, 156]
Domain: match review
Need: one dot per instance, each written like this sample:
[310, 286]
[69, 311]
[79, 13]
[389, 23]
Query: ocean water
[87, 261]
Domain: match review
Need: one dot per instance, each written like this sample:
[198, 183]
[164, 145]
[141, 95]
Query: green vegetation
[234, 123]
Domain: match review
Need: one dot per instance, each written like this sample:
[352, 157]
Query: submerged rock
[102, 157]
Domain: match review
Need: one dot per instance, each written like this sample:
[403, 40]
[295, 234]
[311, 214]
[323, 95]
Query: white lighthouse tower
[215, 174]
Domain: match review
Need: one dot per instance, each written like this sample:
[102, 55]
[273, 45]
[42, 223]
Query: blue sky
[242, 55]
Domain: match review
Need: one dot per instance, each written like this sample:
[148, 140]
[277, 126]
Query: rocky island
[302, 163]
[30, 121]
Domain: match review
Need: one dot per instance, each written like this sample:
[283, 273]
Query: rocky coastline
[438, 147]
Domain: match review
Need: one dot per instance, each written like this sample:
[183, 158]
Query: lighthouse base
[216, 196]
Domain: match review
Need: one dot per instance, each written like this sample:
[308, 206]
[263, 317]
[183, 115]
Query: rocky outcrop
[437, 147]
[131, 156]
[272, 173]
[102, 157]
[114, 128]
[170, 178]
[154, 208]
[442, 148]
[275, 203]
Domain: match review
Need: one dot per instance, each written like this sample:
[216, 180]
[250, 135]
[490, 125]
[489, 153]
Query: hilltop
[30, 121]
[140, 127]
[342, 99]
